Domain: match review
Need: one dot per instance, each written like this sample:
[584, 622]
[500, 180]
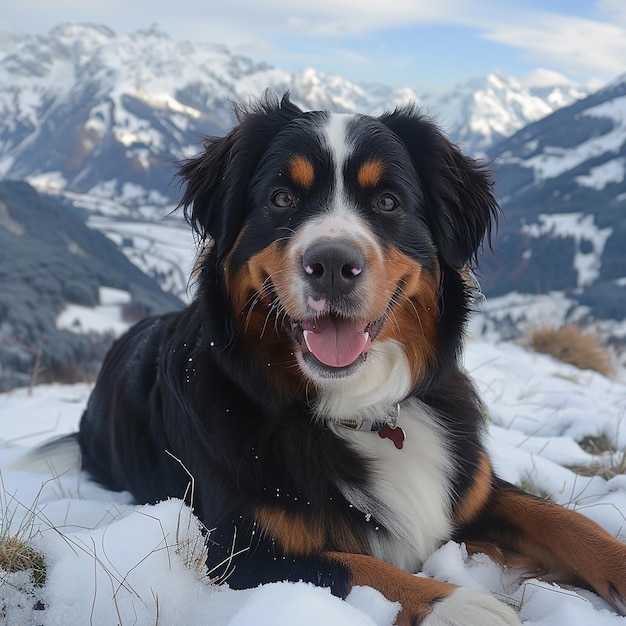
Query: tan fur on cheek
[259, 319]
[414, 313]
[251, 286]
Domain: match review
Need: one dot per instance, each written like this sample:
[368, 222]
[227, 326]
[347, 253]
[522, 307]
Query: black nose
[333, 268]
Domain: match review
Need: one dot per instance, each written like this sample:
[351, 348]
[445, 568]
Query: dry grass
[16, 551]
[606, 470]
[613, 462]
[17, 556]
[574, 345]
[596, 444]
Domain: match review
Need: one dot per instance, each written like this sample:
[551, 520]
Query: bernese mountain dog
[311, 392]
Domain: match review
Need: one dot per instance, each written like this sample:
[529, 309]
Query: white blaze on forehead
[339, 219]
[335, 138]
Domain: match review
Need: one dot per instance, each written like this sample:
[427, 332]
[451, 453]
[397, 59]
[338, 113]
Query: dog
[312, 388]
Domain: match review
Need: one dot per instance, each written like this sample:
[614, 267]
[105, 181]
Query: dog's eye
[282, 200]
[387, 203]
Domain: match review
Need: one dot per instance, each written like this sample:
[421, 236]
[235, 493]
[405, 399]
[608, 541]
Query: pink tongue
[336, 342]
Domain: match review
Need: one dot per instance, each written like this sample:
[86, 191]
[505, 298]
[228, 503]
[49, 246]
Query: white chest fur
[409, 492]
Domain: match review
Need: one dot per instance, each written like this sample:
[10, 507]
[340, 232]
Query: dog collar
[386, 429]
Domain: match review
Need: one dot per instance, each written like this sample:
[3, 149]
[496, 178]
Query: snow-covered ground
[109, 562]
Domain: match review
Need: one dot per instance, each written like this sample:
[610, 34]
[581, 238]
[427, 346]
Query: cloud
[579, 47]
[342, 18]
[324, 19]
[573, 45]
[292, 34]
[542, 77]
[615, 8]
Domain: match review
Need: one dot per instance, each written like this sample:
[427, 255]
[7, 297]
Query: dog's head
[332, 234]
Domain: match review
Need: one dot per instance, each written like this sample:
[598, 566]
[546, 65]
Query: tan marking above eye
[301, 171]
[370, 173]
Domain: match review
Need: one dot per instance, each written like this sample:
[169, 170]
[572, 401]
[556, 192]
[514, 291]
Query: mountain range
[85, 110]
[99, 120]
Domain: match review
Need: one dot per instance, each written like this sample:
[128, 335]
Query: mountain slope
[50, 261]
[562, 186]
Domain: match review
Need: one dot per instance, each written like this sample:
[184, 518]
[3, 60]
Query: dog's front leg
[559, 544]
[268, 556]
[424, 601]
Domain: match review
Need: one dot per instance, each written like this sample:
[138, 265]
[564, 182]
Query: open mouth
[335, 342]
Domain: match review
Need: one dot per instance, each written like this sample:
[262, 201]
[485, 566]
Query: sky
[416, 43]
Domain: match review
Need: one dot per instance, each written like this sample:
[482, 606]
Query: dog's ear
[458, 190]
[216, 181]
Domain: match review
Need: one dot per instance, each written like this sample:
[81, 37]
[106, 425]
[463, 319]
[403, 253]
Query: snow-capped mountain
[562, 185]
[486, 110]
[85, 110]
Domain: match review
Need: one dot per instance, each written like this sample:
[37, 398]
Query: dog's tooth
[306, 334]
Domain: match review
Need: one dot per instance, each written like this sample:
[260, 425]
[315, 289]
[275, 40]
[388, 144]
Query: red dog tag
[396, 435]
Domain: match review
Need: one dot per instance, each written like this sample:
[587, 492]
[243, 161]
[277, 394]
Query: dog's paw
[466, 607]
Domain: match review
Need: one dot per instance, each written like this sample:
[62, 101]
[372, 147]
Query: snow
[163, 249]
[554, 160]
[612, 109]
[151, 235]
[107, 317]
[578, 226]
[602, 175]
[48, 182]
[99, 319]
[109, 561]
[542, 77]
[525, 309]
[109, 296]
